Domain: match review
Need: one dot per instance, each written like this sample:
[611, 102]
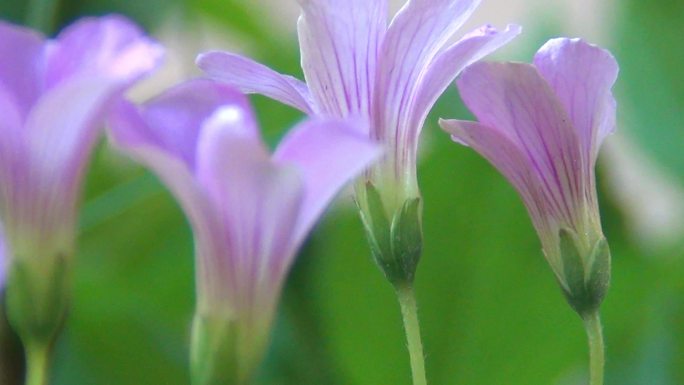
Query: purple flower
[355, 64]
[53, 94]
[249, 210]
[53, 97]
[541, 126]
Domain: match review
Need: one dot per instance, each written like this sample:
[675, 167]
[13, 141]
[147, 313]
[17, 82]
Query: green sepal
[407, 238]
[214, 352]
[599, 278]
[377, 227]
[396, 246]
[38, 298]
[11, 357]
[225, 350]
[585, 277]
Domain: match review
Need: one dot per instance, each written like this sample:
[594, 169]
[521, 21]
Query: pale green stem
[592, 323]
[41, 15]
[37, 364]
[409, 312]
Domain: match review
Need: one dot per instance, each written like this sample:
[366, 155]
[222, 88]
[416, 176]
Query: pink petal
[42, 187]
[22, 64]
[339, 43]
[165, 135]
[448, 64]
[91, 64]
[243, 207]
[63, 127]
[259, 203]
[139, 138]
[227, 125]
[507, 157]
[13, 156]
[51, 127]
[110, 46]
[582, 76]
[329, 153]
[131, 134]
[414, 38]
[251, 77]
[175, 118]
[515, 100]
[11, 127]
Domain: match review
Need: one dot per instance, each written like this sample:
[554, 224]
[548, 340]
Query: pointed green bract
[396, 245]
[585, 278]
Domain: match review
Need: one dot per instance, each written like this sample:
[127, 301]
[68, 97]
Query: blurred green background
[491, 311]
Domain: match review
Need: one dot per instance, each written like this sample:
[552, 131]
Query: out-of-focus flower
[541, 126]
[3, 264]
[3, 277]
[53, 97]
[249, 210]
[355, 64]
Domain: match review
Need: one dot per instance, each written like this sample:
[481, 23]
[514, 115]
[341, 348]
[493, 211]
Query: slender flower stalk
[356, 64]
[37, 372]
[541, 125]
[596, 350]
[250, 211]
[53, 95]
[409, 312]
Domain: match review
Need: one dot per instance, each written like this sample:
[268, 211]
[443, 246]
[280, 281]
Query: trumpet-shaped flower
[53, 95]
[541, 126]
[249, 210]
[355, 64]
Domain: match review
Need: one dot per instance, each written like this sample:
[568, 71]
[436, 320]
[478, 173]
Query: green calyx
[38, 298]
[586, 276]
[221, 353]
[396, 239]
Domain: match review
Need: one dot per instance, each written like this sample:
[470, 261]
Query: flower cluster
[355, 64]
[369, 88]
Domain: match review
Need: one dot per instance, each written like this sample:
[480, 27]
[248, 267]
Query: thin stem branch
[409, 312]
[37, 364]
[592, 324]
